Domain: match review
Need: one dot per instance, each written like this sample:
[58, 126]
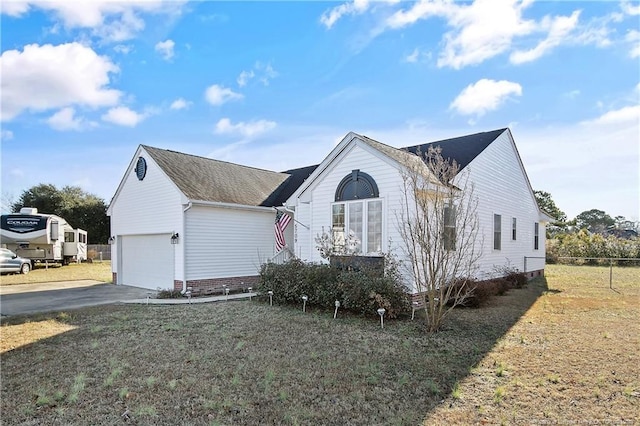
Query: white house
[359, 184]
[179, 220]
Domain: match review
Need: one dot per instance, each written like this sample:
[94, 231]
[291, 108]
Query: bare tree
[439, 226]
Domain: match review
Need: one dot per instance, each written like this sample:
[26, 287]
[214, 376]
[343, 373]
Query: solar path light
[381, 312]
[250, 289]
[304, 303]
[413, 311]
[188, 293]
[226, 293]
[270, 293]
[335, 313]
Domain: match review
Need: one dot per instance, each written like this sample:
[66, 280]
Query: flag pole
[293, 217]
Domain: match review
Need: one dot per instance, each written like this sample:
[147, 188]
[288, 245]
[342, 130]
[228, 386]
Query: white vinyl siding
[225, 242]
[501, 187]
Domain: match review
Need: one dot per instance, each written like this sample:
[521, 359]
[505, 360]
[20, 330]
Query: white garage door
[147, 261]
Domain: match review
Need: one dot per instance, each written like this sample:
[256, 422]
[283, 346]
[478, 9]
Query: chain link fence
[602, 261]
[99, 252]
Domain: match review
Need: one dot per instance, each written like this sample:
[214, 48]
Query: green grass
[248, 363]
[99, 271]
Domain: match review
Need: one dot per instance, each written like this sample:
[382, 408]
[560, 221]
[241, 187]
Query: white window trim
[514, 228]
[493, 235]
[365, 209]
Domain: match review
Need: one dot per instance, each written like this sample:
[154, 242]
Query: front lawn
[562, 353]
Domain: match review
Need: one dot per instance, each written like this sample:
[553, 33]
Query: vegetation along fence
[611, 261]
[99, 252]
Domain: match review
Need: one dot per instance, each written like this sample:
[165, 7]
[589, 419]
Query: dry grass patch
[572, 358]
[100, 271]
[18, 335]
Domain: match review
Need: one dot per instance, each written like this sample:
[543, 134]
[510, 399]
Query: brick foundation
[215, 285]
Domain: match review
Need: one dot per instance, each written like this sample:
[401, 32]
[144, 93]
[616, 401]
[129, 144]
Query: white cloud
[179, 104]
[247, 130]
[244, 77]
[413, 57]
[633, 38]
[558, 27]
[487, 28]
[65, 119]
[46, 77]
[124, 116]
[330, 17]
[628, 114]
[263, 72]
[217, 95]
[124, 49]
[6, 135]
[107, 19]
[165, 48]
[629, 9]
[485, 95]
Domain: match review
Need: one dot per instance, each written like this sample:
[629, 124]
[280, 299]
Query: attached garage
[146, 261]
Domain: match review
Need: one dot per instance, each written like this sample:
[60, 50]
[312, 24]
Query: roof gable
[206, 179]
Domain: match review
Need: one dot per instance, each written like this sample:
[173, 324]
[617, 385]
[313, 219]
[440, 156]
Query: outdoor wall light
[381, 312]
[335, 313]
[111, 240]
[174, 238]
[270, 293]
[304, 303]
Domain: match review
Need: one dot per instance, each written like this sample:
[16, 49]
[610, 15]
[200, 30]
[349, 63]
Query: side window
[497, 232]
[449, 239]
[514, 223]
[536, 235]
[337, 225]
[69, 237]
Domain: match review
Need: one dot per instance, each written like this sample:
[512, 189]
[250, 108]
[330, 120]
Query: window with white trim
[357, 216]
[497, 232]
[357, 226]
[536, 235]
[449, 231]
[514, 223]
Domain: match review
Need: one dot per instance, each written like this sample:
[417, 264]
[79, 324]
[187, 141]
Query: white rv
[42, 237]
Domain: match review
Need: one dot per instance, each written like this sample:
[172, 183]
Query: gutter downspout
[184, 251]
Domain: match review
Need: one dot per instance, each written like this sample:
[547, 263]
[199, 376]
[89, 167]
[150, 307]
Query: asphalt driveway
[63, 295]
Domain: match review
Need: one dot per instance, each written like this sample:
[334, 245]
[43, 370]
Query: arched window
[356, 186]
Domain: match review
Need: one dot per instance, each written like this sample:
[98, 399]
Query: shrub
[477, 294]
[517, 279]
[362, 291]
[169, 294]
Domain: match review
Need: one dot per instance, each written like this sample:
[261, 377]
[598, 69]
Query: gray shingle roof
[205, 179]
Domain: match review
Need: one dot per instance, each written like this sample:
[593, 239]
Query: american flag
[282, 220]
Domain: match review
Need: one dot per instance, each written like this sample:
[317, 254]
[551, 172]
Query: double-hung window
[497, 232]
[514, 223]
[536, 235]
[449, 224]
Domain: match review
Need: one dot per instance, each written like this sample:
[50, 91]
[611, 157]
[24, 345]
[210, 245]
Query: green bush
[517, 279]
[361, 292]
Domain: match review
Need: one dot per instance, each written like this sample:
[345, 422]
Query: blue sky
[276, 84]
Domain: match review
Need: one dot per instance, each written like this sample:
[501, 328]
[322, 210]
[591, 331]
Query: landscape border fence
[611, 260]
[99, 252]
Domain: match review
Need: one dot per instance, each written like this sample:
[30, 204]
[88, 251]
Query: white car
[11, 262]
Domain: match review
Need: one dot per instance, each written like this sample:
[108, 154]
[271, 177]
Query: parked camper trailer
[42, 237]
